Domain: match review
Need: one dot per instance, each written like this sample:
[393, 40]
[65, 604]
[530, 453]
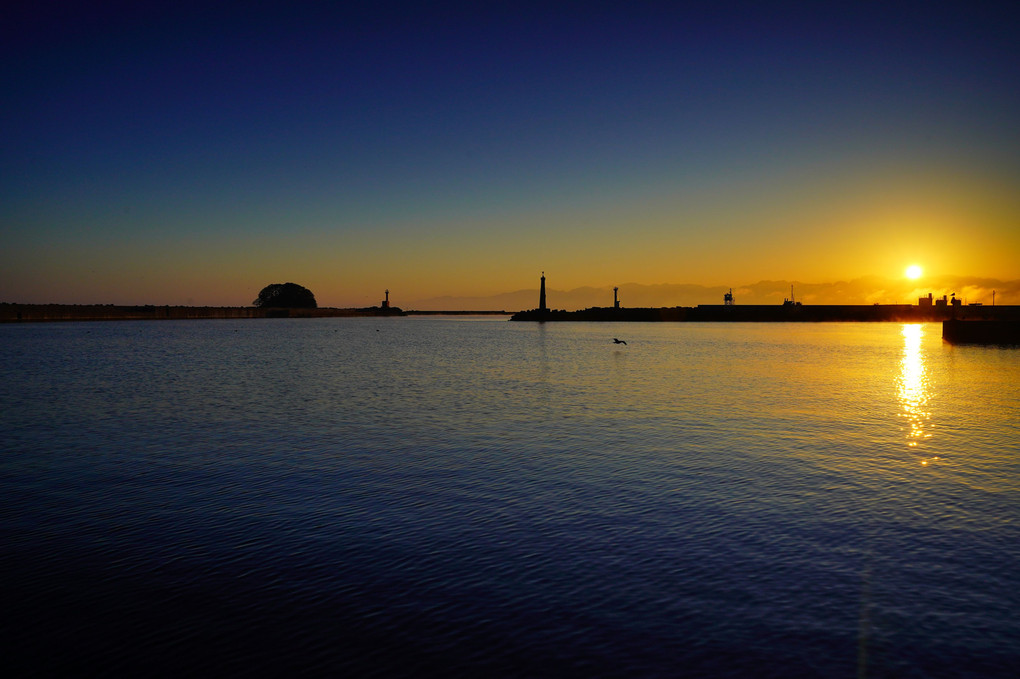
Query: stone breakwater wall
[14, 313]
[982, 332]
[111, 312]
[901, 313]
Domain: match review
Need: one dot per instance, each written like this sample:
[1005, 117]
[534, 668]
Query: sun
[913, 272]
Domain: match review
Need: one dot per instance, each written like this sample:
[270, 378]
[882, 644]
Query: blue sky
[193, 154]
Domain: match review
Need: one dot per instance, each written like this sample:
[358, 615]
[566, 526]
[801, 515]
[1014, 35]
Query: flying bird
[618, 341]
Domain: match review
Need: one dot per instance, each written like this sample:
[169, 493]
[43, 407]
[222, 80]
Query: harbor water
[471, 497]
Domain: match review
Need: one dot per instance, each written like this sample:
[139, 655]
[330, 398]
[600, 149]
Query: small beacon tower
[728, 298]
[541, 296]
[616, 299]
[386, 302]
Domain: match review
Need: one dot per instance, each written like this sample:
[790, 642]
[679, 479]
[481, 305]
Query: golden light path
[914, 388]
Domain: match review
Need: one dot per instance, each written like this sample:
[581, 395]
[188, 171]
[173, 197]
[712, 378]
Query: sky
[181, 153]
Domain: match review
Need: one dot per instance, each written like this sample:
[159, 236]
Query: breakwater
[797, 313]
[981, 331]
[13, 313]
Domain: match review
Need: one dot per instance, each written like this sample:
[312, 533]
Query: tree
[285, 296]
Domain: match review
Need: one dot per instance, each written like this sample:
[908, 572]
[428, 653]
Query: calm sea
[472, 497]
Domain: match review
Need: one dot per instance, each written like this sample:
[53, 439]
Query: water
[469, 497]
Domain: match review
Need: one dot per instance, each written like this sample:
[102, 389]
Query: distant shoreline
[27, 313]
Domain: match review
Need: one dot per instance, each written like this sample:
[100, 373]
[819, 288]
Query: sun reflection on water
[914, 391]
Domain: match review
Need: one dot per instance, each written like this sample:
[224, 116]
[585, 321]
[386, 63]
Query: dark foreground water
[416, 497]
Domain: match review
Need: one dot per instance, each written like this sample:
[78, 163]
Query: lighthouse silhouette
[541, 296]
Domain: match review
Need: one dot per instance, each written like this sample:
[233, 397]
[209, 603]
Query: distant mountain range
[867, 290]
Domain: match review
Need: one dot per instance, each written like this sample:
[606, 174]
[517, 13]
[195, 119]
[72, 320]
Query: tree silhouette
[286, 296]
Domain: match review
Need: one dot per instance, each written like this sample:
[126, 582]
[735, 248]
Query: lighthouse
[541, 296]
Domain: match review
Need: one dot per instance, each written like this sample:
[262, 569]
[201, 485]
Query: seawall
[14, 313]
[981, 331]
[795, 313]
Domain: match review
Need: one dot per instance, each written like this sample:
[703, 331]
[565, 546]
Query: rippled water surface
[469, 497]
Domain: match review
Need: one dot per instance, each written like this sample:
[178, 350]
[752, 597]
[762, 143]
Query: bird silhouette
[618, 341]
